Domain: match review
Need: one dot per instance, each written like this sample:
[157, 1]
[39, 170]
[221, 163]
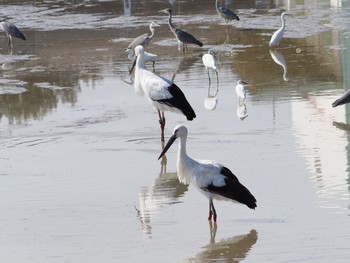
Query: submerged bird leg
[212, 228]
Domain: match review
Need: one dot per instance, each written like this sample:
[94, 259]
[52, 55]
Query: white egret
[210, 63]
[11, 31]
[278, 35]
[212, 179]
[342, 100]
[182, 37]
[162, 93]
[240, 90]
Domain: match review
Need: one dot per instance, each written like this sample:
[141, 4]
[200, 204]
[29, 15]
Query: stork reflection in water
[227, 249]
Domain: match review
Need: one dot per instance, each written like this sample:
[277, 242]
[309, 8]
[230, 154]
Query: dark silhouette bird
[182, 37]
[225, 13]
[11, 31]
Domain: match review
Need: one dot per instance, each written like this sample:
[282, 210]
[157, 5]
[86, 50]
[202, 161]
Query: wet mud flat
[79, 175]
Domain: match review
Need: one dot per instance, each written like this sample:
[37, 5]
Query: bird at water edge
[142, 40]
[209, 62]
[182, 37]
[225, 13]
[278, 35]
[212, 179]
[162, 93]
[11, 31]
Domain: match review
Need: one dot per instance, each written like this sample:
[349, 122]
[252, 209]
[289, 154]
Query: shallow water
[79, 176]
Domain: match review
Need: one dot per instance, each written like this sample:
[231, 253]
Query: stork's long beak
[167, 146]
[132, 67]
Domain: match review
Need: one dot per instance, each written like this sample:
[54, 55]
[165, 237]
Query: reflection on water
[279, 59]
[233, 249]
[211, 101]
[241, 111]
[76, 44]
[166, 190]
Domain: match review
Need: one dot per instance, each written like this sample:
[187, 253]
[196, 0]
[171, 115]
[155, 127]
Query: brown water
[79, 176]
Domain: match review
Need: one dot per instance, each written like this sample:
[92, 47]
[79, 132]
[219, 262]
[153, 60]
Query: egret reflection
[166, 190]
[211, 101]
[241, 111]
[279, 60]
[234, 249]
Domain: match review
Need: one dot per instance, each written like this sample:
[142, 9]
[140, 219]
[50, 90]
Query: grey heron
[278, 35]
[181, 36]
[142, 40]
[11, 31]
[225, 13]
[162, 93]
[342, 100]
[212, 179]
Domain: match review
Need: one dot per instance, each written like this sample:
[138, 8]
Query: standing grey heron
[142, 40]
[225, 13]
[11, 31]
[278, 35]
[181, 36]
[212, 179]
[162, 93]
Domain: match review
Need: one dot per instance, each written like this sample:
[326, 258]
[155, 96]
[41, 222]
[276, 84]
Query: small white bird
[210, 63]
[278, 35]
[212, 179]
[162, 93]
[240, 90]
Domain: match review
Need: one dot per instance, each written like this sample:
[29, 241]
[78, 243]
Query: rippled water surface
[79, 176]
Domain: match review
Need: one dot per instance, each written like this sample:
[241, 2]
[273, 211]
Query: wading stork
[162, 93]
[212, 179]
